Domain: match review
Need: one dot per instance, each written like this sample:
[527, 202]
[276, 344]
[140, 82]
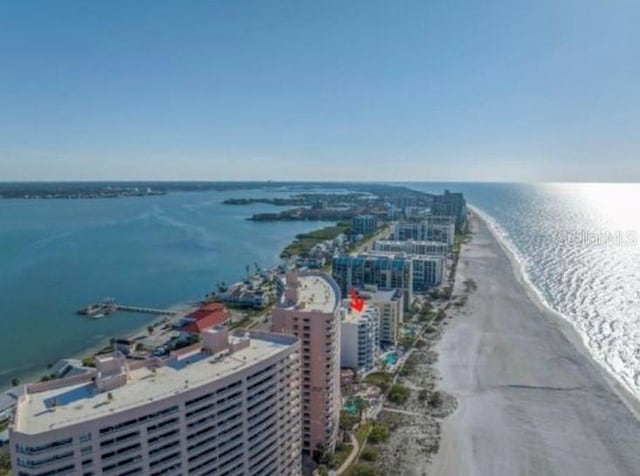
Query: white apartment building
[413, 247]
[432, 228]
[390, 305]
[360, 337]
[227, 406]
[425, 271]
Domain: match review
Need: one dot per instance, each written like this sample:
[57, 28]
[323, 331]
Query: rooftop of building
[208, 309]
[317, 294]
[350, 315]
[81, 401]
[406, 242]
[398, 255]
[207, 320]
[381, 295]
[314, 292]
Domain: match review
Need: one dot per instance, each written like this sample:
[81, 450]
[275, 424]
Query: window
[37, 449]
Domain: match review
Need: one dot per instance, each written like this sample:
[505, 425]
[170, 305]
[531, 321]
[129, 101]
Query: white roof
[316, 293]
[351, 316]
[80, 402]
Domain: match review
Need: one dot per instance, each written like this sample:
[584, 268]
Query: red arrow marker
[357, 303]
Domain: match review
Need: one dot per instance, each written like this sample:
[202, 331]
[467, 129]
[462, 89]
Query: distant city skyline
[363, 90]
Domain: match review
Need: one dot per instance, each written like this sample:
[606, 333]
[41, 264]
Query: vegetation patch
[409, 366]
[348, 420]
[380, 379]
[370, 455]
[362, 432]
[399, 394]
[340, 455]
[363, 469]
[5, 464]
[305, 241]
[378, 433]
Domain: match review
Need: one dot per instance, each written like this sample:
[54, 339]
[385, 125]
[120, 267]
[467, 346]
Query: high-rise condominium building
[359, 338]
[433, 228]
[412, 247]
[390, 305]
[310, 309]
[450, 204]
[364, 224]
[388, 270]
[227, 406]
[385, 272]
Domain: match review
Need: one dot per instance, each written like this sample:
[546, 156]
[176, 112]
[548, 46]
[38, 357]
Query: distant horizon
[312, 181]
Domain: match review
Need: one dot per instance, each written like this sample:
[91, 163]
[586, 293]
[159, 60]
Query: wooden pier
[145, 310]
[109, 306]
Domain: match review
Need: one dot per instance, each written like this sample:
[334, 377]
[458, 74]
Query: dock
[109, 306]
[145, 310]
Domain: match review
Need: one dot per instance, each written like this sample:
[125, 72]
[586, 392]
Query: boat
[91, 310]
[106, 307]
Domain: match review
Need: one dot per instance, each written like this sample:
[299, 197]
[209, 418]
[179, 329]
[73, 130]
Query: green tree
[323, 456]
[347, 421]
[370, 454]
[399, 394]
[360, 404]
[5, 464]
[436, 399]
[378, 434]
[89, 361]
[363, 469]
[322, 470]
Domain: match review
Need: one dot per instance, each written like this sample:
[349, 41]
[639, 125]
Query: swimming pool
[391, 358]
[410, 330]
[349, 407]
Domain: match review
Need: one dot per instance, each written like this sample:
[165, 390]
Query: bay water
[59, 255]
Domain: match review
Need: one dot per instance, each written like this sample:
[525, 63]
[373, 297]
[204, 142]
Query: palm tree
[360, 404]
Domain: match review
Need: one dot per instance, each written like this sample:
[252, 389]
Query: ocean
[59, 255]
[578, 244]
[579, 247]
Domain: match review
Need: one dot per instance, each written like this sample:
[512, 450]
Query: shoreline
[531, 398]
[566, 327]
[35, 375]
[154, 320]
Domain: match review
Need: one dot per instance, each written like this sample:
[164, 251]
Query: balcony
[118, 468]
[36, 450]
[56, 459]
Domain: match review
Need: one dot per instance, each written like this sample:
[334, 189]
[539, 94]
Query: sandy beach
[530, 399]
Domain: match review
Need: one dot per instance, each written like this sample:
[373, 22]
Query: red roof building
[206, 317]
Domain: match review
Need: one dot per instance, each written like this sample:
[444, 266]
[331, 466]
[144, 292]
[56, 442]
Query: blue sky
[545, 90]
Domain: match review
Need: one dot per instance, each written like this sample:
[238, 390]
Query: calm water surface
[59, 255]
